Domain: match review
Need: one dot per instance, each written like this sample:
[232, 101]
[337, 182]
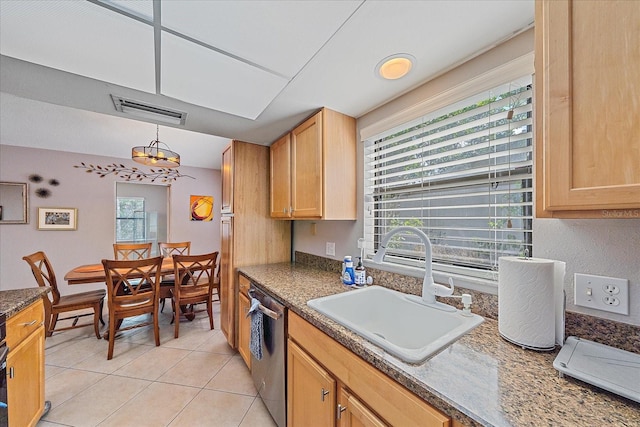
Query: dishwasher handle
[275, 315]
[270, 313]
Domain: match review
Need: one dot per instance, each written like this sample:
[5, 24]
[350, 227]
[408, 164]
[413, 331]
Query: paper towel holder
[526, 254]
[527, 347]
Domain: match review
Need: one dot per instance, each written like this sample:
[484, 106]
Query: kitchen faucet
[429, 288]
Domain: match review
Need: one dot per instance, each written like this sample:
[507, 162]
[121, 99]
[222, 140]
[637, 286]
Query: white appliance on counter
[609, 368]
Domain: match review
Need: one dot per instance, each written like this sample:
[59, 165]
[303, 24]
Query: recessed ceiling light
[395, 66]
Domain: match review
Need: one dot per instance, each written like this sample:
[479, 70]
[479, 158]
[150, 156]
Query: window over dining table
[130, 219]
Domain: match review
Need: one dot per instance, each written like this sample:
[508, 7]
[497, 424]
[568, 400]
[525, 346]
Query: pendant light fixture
[155, 156]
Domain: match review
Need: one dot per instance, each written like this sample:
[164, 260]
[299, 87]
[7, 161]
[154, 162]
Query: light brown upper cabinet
[281, 177]
[313, 169]
[587, 109]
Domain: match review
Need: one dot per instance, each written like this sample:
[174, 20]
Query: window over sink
[463, 174]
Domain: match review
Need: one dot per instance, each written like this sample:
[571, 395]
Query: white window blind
[463, 175]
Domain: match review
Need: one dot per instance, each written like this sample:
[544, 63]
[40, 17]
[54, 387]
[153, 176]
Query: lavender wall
[94, 198]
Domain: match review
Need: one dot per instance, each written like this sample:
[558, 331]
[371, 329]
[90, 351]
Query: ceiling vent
[149, 112]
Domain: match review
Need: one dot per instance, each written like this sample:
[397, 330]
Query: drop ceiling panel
[281, 36]
[80, 38]
[438, 35]
[204, 77]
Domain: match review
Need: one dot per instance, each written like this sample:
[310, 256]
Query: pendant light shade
[154, 155]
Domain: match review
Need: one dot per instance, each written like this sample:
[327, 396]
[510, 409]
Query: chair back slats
[44, 274]
[192, 271]
[131, 251]
[132, 282]
[168, 249]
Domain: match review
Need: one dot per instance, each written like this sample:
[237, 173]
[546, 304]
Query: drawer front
[243, 285]
[22, 324]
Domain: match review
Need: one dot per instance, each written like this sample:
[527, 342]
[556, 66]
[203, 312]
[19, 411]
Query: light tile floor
[195, 380]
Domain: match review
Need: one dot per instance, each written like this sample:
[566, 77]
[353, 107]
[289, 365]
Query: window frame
[135, 219]
[485, 281]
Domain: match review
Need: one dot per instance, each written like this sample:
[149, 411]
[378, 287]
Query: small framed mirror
[14, 203]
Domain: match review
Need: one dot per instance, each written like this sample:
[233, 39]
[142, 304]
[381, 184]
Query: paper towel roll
[530, 297]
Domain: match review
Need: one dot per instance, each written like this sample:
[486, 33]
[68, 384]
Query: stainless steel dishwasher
[269, 373]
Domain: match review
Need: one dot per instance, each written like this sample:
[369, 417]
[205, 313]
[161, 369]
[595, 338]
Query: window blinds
[462, 174]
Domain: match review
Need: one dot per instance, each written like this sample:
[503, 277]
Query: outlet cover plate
[602, 293]
[331, 249]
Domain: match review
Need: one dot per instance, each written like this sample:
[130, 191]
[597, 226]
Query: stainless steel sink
[396, 322]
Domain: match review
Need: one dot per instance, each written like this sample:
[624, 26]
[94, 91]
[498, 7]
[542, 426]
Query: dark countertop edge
[14, 300]
[483, 339]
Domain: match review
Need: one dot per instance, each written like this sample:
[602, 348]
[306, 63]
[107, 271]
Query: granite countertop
[14, 300]
[479, 380]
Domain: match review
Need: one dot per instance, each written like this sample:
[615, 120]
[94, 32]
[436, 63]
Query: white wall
[94, 198]
[606, 247]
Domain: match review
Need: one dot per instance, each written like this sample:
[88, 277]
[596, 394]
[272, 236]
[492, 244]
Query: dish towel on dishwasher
[255, 339]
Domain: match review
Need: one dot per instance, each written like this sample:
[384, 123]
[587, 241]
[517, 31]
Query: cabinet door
[311, 391]
[227, 180]
[588, 82]
[227, 288]
[244, 328]
[25, 380]
[353, 413]
[281, 177]
[306, 169]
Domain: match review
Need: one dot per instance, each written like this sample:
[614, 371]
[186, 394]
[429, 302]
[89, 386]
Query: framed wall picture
[201, 208]
[57, 218]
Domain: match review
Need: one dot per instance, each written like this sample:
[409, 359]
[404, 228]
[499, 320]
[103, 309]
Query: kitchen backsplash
[615, 334]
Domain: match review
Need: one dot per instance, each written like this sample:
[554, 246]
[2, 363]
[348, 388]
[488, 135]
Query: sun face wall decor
[201, 208]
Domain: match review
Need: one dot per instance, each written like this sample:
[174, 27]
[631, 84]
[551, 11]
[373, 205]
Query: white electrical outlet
[331, 249]
[602, 293]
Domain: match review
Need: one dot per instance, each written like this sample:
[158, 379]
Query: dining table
[94, 273]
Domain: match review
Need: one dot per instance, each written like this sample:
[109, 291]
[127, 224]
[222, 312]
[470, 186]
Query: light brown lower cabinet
[353, 413]
[311, 390]
[25, 365]
[316, 398]
[329, 385]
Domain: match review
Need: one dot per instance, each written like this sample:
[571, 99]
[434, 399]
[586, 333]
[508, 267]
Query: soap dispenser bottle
[348, 277]
[360, 274]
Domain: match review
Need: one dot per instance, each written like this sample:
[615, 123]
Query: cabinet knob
[324, 393]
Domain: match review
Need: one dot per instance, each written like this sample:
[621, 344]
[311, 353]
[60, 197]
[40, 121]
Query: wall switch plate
[331, 249]
[602, 293]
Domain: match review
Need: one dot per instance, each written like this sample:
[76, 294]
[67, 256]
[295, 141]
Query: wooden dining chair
[194, 284]
[57, 304]
[132, 290]
[131, 251]
[167, 250]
